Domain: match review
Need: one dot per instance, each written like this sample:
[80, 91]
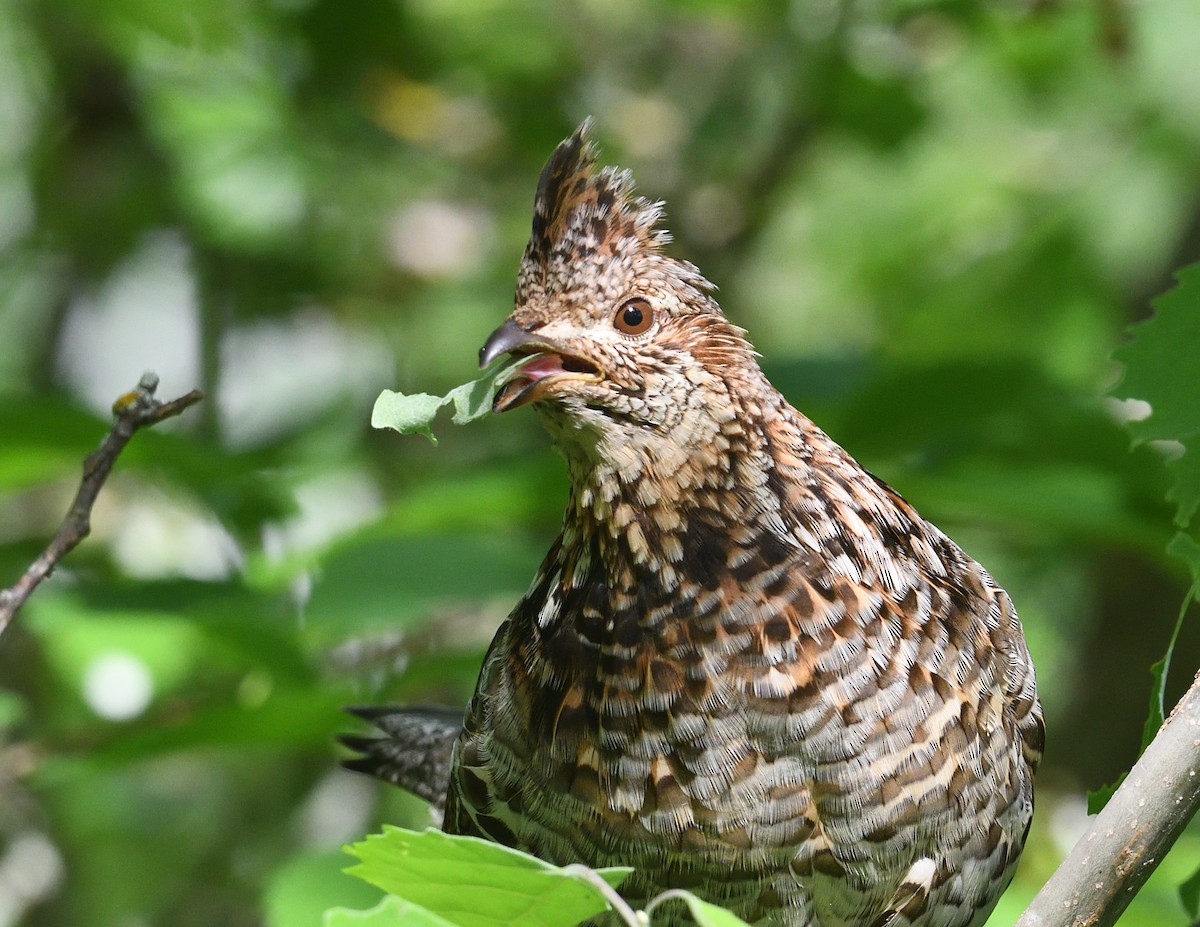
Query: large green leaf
[477, 883]
[1162, 368]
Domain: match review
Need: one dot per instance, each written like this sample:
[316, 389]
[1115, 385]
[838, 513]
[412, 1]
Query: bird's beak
[553, 364]
[506, 339]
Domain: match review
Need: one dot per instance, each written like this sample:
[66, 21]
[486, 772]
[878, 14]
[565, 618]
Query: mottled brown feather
[746, 666]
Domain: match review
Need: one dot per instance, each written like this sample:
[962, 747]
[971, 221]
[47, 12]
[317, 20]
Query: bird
[746, 667]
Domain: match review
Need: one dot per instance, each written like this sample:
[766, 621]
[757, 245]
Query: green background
[936, 221]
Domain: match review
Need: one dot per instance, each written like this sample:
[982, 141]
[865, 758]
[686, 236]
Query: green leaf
[407, 414]
[1185, 493]
[703, 913]
[474, 400]
[1189, 895]
[1160, 362]
[1160, 368]
[414, 413]
[1186, 548]
[391, 912]
[477, 883]
[1098, 798]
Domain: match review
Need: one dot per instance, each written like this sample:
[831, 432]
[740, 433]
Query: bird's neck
[658, 506]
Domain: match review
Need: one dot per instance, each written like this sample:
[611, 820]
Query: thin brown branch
[1128, 839]
[136, 409]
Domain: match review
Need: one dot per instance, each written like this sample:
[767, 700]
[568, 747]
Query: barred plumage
[746, 666]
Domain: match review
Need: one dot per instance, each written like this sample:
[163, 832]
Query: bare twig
[132, 411]
[1129, 838]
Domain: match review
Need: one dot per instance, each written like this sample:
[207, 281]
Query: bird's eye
[634, 316]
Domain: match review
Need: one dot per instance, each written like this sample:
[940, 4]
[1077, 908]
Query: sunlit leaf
[477, 883]
[411, 413]
[414, 413]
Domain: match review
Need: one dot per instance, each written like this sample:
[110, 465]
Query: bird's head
[627, 346]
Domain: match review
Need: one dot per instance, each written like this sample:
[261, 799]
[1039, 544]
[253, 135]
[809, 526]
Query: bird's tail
[411, 749]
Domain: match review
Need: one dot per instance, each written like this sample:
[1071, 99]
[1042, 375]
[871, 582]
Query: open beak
[548, 362]
[509, 338]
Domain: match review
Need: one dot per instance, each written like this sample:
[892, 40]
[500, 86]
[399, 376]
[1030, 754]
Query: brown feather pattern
[746, 666]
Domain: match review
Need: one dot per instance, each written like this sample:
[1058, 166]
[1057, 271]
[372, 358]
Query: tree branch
[1128, 839]
[134, 410]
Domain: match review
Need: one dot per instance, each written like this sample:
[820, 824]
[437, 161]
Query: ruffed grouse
[746, 667]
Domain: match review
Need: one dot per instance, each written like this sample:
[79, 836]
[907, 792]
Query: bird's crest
[583, 214]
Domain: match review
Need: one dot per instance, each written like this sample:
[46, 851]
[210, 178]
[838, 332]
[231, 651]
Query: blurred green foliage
[935, 218]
